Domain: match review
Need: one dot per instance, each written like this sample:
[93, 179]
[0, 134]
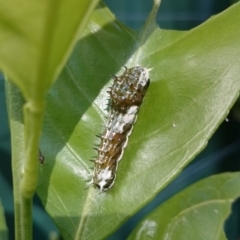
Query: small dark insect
[40, 157]
[126, 96]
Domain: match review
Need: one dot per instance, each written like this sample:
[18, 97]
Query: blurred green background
[221, 155]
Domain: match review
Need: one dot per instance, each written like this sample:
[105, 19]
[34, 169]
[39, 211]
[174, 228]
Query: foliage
[194, 83]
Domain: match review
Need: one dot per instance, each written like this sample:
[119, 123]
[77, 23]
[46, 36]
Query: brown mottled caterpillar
[126, 97]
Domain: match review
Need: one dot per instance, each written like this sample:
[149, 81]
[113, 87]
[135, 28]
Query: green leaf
[197, 212]
[37, 38]
[3, 226]
[195, 79]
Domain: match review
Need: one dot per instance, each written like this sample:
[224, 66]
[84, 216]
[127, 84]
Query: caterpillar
[126, 96]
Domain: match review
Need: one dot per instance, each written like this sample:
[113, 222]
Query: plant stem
[24, 139]
[33, 118]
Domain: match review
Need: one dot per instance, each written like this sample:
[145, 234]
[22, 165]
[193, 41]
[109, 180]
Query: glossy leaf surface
[197, 212]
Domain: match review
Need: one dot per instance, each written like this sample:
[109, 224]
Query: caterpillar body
[126, 96]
